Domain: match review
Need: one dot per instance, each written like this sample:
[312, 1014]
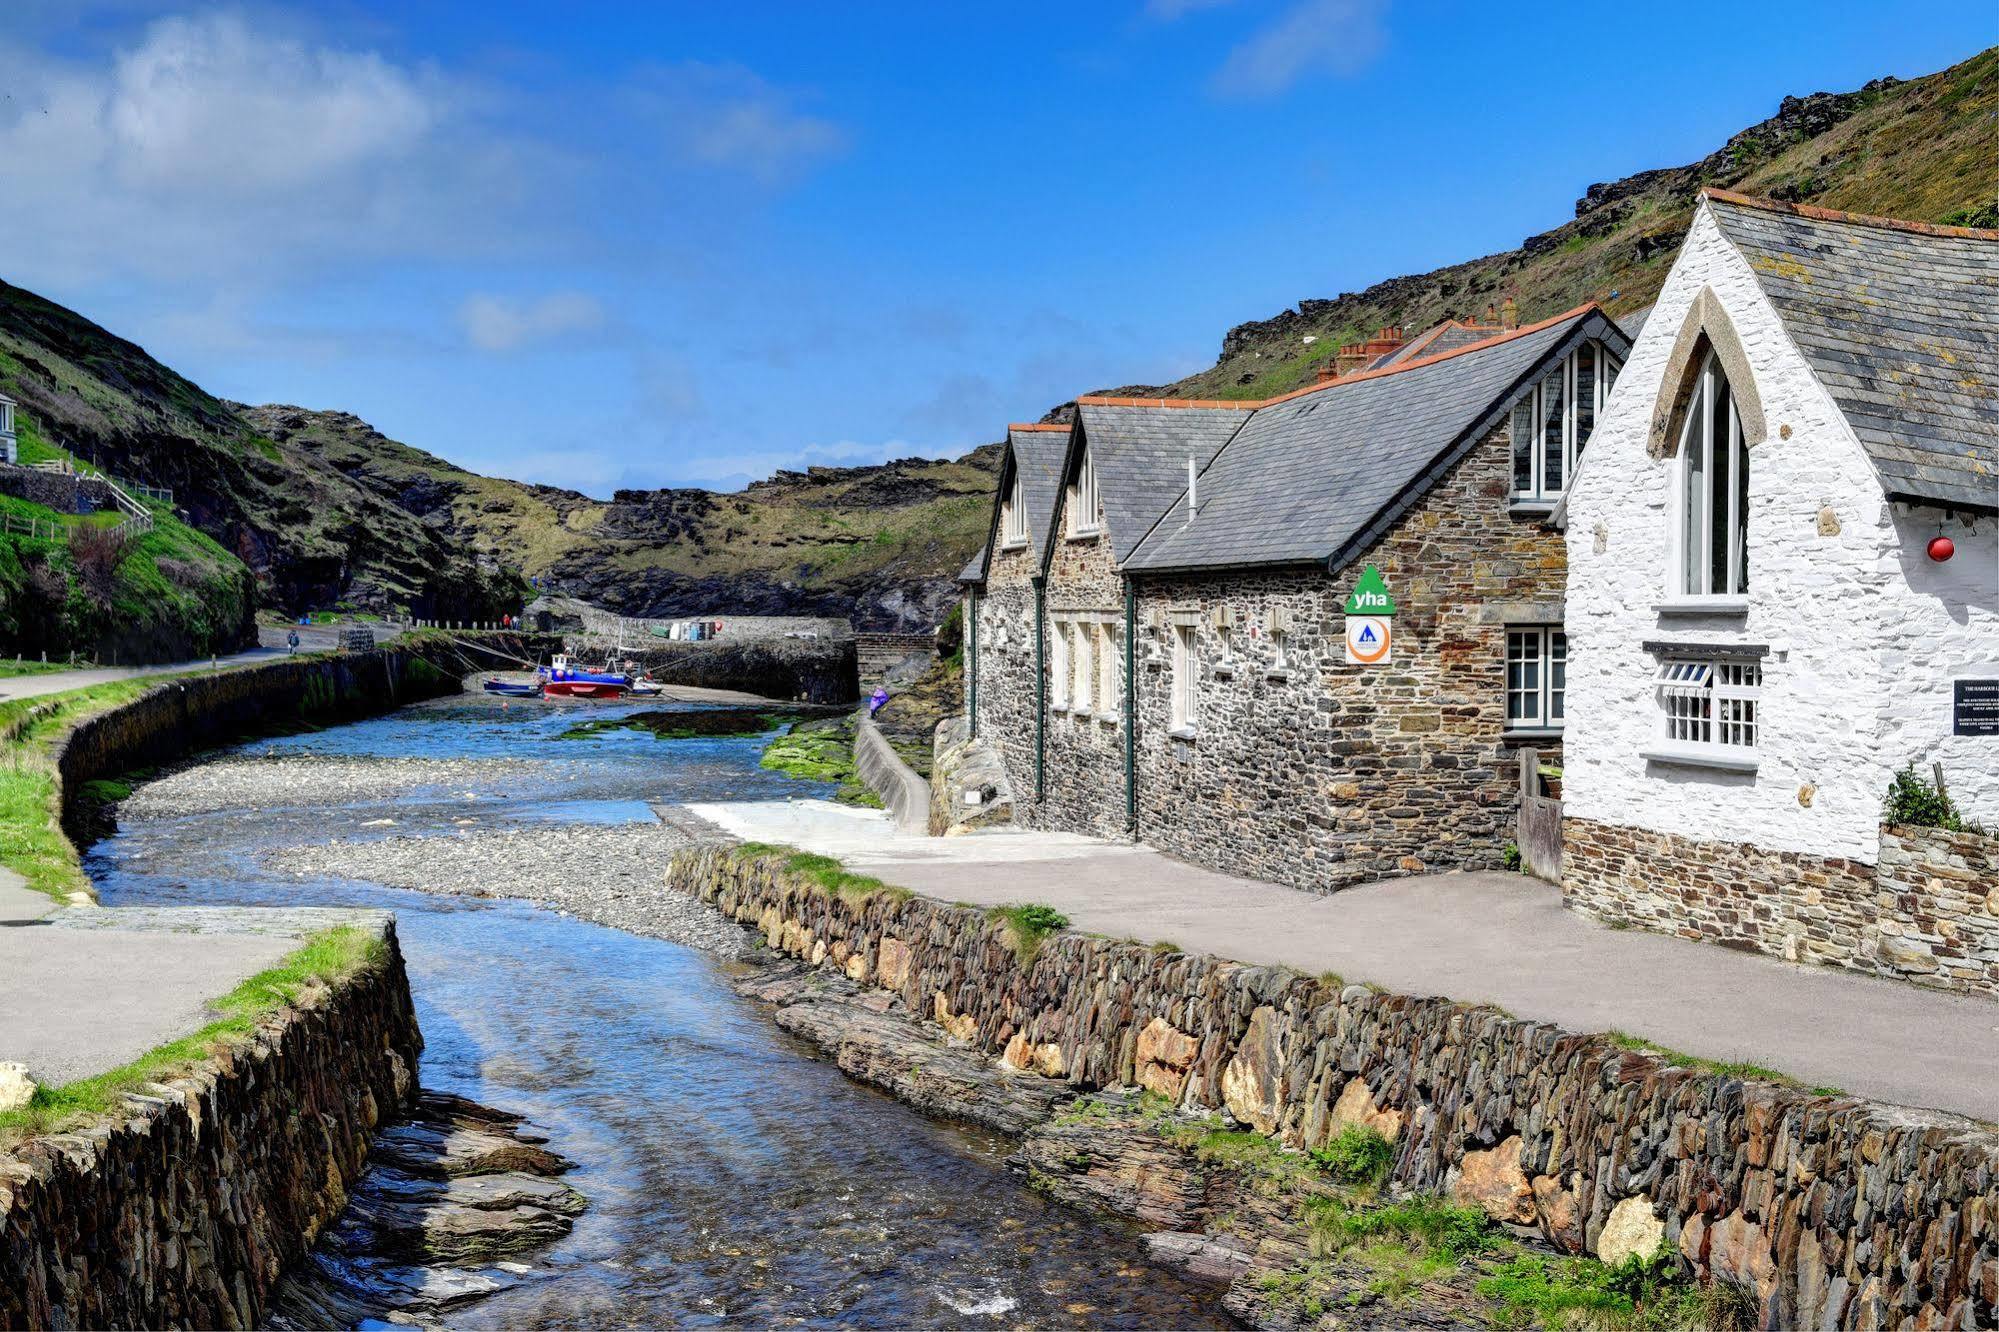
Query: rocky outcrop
[189, 1207]
[961, 768]
[1834, 1211]
[816, 670]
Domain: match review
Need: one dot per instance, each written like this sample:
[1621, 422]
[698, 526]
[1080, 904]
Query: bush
[1509, 856]
[1359, 1156]
[1913, 800]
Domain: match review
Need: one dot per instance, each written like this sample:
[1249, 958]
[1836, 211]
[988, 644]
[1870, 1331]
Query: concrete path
[314, 638]
[84, 989]
[1501, 939]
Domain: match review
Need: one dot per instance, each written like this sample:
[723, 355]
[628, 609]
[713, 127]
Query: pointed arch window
[1714, 490]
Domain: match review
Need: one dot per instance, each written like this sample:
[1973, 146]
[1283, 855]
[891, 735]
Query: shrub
[1913, 800]
[1358, 1155]
[1509, 856]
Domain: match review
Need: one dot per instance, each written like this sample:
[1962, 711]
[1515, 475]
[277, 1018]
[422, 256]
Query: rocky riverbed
[609, 875]
[289, 778]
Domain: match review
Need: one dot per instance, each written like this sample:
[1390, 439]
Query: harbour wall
[1833, 1211]
[187, 1210]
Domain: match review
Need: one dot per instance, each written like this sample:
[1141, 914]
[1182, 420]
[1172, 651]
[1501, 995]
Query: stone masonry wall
[1085, 782]
[1320, 774]
[1007, 666]
[1929, 912]
[189, 1211]
[1835, 1212]
[63, 492]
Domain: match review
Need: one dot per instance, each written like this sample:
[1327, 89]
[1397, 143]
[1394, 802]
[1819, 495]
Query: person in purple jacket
[877, 701]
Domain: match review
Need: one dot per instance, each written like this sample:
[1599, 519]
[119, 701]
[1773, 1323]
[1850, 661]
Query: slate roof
[975, 570]
[1634, 323]
[1900, 322]
[1448, 336]
[1039, 453]
[1140, 447]
[1316, 476]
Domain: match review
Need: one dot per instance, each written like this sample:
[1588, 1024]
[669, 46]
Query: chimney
[1382, 343]
[1509, 314]
[1491, 317]
[1350, 359]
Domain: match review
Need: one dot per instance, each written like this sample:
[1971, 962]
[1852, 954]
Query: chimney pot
[1509, 314]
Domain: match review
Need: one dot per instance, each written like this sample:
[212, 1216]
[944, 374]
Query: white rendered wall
[1941, 624]
[1821, 600]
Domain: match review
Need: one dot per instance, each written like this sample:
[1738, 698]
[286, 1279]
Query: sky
[640, 245]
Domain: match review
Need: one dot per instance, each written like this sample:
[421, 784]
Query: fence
[137, 515]
[1539, 834]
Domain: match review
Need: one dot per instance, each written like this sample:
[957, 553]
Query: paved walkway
[84, 989]
[312, 638]
[1502, 939]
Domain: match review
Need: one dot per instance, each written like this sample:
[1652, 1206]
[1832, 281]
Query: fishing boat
[563, 678]
[512, 689]
[645, 688]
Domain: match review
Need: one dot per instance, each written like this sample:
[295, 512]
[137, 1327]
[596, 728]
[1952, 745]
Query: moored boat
[562, 678]
[512, 689]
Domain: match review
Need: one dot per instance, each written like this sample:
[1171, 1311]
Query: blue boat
[511, 690]
[566, 679]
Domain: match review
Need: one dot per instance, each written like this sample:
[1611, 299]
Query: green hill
[1926, 149]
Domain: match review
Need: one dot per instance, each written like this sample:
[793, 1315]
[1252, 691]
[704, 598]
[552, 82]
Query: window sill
[1086, 534]
[1281, 674]
[1222, 670]
[1531, 508]
[1701, 756]
[1703, 606]
[1107, 719]
[1013, 545]
[1531, 733]
[1187, 733]
[1081, 714]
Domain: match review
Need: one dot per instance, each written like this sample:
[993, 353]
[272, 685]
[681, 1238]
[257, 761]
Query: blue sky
[687, 244]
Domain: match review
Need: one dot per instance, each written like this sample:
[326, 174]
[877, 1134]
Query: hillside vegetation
[1926, 149]
[880, 544]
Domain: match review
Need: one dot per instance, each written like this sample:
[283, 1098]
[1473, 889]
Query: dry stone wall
[1835, 1212]
[188, 1212]
[1929, 912]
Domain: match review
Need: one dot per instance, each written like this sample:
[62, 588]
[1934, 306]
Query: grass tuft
[1026, 925]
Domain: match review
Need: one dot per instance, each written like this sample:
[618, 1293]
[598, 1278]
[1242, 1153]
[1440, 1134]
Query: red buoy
[1942, 548]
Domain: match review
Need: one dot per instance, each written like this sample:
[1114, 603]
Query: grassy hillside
[1924, 149]
[311, 536]
[878, 543]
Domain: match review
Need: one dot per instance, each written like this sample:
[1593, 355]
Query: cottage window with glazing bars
[1013, 516]
[1086, 514]
[1537, 669]
[1553, 423]
[1110, 670]
[1714, 491]
[1709, 702]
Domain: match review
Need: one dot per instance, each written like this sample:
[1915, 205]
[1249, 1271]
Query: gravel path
[610, 875]
[271, 780]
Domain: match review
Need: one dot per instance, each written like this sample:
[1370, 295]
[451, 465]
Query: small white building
[10, 450]
[1783, 587]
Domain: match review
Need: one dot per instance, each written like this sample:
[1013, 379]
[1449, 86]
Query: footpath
[271, 646]
[1500, 939]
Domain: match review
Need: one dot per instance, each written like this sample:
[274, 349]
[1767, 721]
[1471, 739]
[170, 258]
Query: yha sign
[1369, 609]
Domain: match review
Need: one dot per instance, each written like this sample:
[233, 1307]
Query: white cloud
[725, 116]
[1339, 37]
[493, 323]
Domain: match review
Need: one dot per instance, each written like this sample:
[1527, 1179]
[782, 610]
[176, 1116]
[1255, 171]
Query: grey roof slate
[975, 569]
[1308, 477]
[1039, 454]
[1449, 336]
[1902, 328]
[1633, 324]
[1141, 457]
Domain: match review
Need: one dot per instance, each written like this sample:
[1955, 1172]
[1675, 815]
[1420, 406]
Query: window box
[1725, 758]
[1703, 605]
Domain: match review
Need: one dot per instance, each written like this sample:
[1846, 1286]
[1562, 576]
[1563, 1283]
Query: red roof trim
[1834, 215]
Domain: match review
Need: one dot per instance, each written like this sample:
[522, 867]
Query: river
[733, 1177]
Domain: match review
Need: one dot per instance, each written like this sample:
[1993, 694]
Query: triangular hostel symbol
[1370, 595]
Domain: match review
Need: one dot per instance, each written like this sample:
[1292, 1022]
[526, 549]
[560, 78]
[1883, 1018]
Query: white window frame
[1533, 410]
[1110, 671]
[1545, 649]
[1013, 516]
[1058, 666]
[1711, 710]
[1186, 702]
[1083, 666]
[1694, 526]
[1280, 648]
[1085, 505]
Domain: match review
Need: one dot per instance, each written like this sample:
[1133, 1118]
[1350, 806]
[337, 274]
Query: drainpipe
[1130, 710]
[1040, 689]
[972, 654]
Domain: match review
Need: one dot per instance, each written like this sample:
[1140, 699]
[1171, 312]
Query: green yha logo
[1370, 595]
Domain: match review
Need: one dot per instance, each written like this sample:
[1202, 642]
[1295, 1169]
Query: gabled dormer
[1553, 422]
[1082, 502]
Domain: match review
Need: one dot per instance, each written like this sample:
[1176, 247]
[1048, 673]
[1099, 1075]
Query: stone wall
[904, 793]
[1006, 664]
[1086, 776]
[817, 670]
[1836, 1212]
[179, 716]
[1929, 912]
[63, 492]
[959, 763]
[877, 656]
[188, 1211]
[1320, 774]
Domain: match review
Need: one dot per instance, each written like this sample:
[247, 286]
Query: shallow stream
[733, 1177]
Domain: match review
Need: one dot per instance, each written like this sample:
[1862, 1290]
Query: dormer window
[1086, 508]
[1553, 423]
[1013, 516]
[1713, 491]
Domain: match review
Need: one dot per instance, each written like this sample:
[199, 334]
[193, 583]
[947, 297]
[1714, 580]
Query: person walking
[291, 642]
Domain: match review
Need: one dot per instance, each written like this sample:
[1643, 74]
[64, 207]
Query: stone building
[1784, 587]
[1195, 687]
